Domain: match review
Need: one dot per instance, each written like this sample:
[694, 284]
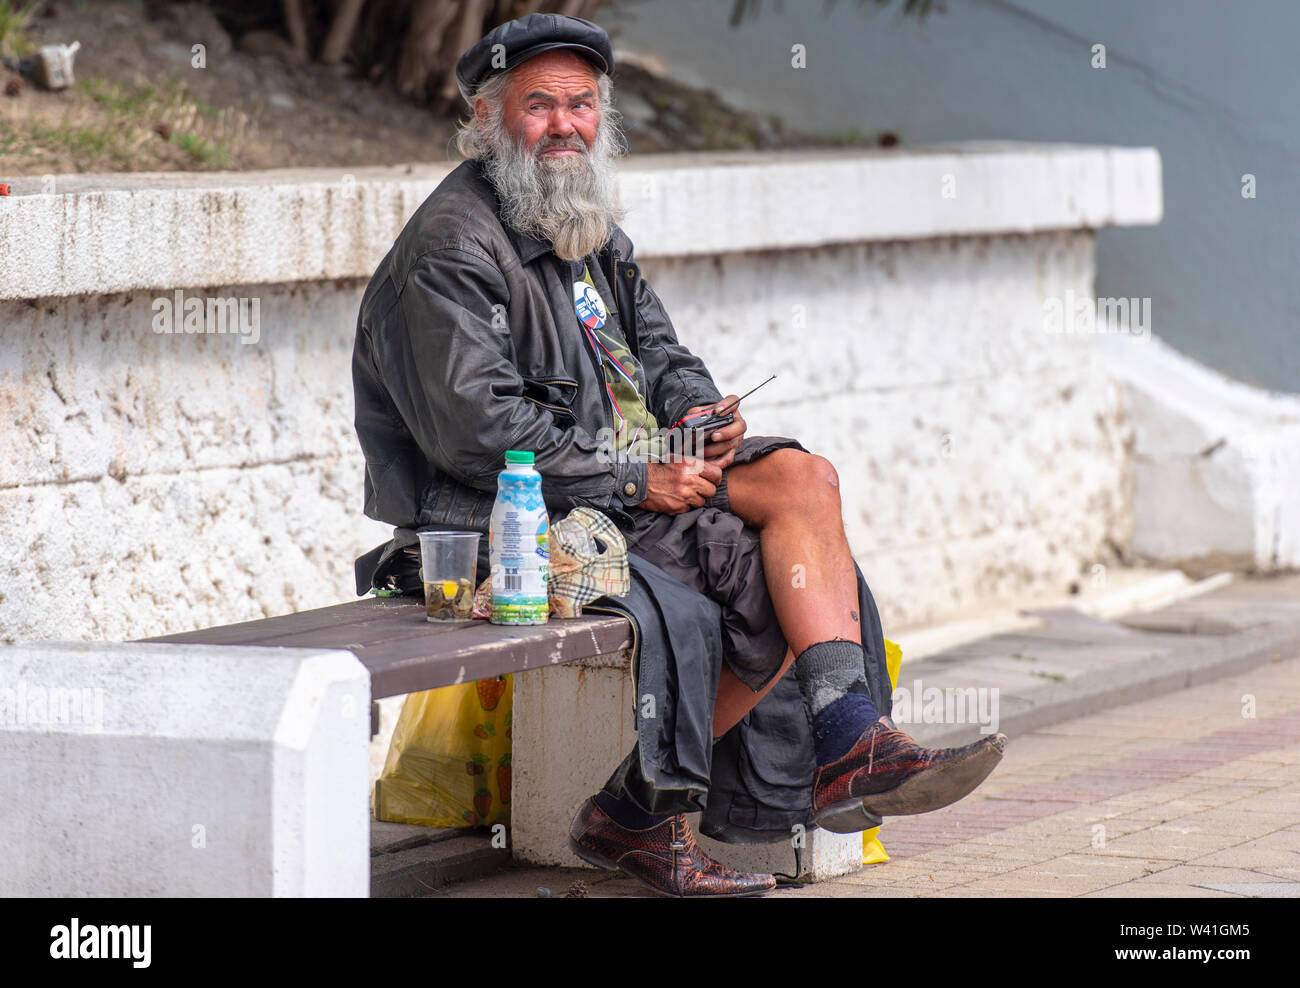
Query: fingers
[724, 458]
[687, 482]
[714, 450]
[728, 432]
[703, 469]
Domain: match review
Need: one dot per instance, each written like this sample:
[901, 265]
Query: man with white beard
[510, 315]
[556, 187]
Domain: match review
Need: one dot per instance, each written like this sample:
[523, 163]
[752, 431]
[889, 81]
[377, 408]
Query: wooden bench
[573, 707]
[406, 653]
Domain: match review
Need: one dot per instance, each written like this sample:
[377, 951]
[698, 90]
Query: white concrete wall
[157, 483]
[1215, 464]
[182, 771]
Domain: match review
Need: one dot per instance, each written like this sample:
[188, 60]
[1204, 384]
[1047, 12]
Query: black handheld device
[690, 432]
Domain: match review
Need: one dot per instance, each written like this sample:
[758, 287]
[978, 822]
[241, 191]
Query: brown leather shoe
[886, 773]
[665, 858]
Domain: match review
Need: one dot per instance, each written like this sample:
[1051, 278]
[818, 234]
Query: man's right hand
[680, 484]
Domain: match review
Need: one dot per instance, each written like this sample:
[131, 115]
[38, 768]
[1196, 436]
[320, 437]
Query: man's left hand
[721, 444]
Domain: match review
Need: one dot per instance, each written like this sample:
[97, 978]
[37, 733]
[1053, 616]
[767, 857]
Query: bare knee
[823, 482]
[806, 481]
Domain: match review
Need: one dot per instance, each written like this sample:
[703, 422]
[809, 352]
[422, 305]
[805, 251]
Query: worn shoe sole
[595, 860]
[928, 790]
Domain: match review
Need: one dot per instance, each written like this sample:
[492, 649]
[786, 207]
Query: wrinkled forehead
[560, 74]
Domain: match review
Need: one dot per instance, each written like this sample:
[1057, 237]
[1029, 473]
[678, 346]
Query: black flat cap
[525, 37]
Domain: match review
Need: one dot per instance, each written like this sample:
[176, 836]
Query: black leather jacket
[467, 345]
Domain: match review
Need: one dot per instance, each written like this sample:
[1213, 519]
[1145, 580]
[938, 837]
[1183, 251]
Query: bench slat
[405, 653]
[254, 632]
[373, 632]
[406, 667]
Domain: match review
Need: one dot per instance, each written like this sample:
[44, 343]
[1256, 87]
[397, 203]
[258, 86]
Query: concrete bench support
[572, 724]
[183, 770]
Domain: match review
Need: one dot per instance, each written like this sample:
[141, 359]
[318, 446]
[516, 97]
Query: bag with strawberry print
[449, 761]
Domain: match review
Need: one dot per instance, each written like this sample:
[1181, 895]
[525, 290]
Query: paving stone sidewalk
[1154, 755]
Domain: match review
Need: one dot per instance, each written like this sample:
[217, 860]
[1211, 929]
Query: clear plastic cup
[449, 568]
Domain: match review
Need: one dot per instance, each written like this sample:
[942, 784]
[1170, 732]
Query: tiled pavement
[1181, 795]
[1159, 798]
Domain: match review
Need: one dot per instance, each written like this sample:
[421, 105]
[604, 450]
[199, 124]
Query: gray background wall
[1213, 85]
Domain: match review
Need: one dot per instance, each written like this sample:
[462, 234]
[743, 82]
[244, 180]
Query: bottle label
[520, 551]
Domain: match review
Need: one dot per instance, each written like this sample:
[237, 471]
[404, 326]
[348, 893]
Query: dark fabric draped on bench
[755, 783]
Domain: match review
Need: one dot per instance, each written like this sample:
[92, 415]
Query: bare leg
[735, 699]
[792, 498]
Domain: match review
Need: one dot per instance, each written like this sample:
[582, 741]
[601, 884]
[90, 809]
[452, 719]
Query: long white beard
[570, 201]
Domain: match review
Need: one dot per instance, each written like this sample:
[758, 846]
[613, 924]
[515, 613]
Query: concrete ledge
[172, 770]
[116, 233]
[1215, 463]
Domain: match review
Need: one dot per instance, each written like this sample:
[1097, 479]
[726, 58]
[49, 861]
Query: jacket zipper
[616, 286]
[555, 408]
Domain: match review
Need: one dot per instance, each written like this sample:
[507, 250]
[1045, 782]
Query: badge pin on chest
[589, 306]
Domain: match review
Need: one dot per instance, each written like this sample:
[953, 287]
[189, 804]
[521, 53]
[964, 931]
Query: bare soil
[145, 100]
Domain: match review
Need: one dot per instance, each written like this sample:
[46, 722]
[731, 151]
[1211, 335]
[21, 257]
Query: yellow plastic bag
[873, 852]
[449, 761]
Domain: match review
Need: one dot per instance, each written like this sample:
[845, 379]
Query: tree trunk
[470, 31]
[341, 30]
[297, 26]
[424, 41]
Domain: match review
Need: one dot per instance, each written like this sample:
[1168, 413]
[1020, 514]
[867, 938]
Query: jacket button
[629, 489]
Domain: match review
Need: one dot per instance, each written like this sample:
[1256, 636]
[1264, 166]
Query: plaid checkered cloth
[588, 560]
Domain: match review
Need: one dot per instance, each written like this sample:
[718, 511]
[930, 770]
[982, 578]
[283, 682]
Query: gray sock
[827, 671]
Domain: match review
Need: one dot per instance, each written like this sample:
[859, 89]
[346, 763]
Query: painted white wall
[158, 483]
[1215, 464]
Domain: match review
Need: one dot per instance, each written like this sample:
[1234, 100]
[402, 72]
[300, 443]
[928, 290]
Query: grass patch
[14, 39]
[112, 125]
[78, 141]
[212, 155]
[117, 98]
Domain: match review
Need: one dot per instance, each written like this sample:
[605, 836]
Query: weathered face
[550, 106]
[550, 153]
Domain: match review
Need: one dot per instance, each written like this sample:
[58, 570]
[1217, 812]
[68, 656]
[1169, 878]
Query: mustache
[575, 142]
